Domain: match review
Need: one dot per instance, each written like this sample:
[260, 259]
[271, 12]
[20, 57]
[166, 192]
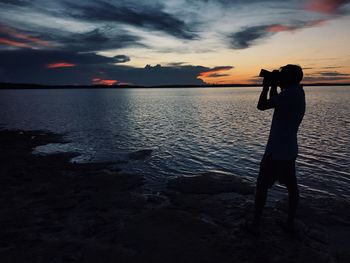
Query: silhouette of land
[51, 208]
[40, 86]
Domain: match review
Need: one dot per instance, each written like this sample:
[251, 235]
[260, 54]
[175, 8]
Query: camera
[274, 75]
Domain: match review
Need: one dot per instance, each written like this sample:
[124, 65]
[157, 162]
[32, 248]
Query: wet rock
[211, 183]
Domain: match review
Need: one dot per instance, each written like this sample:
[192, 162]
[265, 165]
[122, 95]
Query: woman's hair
[292, 74]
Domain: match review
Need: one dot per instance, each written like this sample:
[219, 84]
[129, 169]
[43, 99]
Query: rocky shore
[52, 210]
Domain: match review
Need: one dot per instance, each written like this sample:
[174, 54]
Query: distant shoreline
[233, 85]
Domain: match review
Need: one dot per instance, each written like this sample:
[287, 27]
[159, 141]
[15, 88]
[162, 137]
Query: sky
[165, 42]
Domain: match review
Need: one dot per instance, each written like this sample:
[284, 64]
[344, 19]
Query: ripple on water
[189, 130]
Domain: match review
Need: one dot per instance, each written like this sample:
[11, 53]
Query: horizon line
[4, 85]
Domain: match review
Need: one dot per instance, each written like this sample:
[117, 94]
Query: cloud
[95, 40]
[71, 32]
[252, 35]
[107, 82]
[105, 25]
[332, 74]
[326, 6]
[15, 2]
[327, 76]
[31, 66]
[149, 16]
[53, 66]
[165, 75]
[176, 64]
[60, 65]
[121, 59]
[248, 36]
[16, 38]
[40, 58]
[215, 72]
[13, 43]
[329, 67]
[101, 38]
[217, 75]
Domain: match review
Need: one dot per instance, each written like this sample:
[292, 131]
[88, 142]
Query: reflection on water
[189, 130]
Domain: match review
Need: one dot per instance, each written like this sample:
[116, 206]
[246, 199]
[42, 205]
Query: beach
[54, 210]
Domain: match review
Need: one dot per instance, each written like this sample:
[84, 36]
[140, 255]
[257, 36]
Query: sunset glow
[167, 42]
[15, 34]
[61, 65]
[107, 82]
[279, 28]
[13, 43]
[325, 6]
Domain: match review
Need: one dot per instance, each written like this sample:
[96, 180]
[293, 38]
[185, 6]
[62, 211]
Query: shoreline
[54, 209]
[6, 86]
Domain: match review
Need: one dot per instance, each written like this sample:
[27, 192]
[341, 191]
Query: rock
[105, 182]
[211, 183]
[51, 208]
[171, 235]
[141, 154]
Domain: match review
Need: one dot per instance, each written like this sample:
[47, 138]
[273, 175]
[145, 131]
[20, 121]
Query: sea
[189, 131]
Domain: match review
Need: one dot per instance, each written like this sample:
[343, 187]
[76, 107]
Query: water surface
[190, 130]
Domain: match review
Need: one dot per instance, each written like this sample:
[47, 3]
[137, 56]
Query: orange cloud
[61, 65]
[107, 82]
[279, 28]
[15, 34]
[13, 43]
[32, 39]
[325, 6]
[214, 72]
[212, 75]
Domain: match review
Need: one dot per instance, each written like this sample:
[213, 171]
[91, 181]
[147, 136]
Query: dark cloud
[236, 2]
[67, 67]
[325, 76]
[330, 67]
[149, 16]
[160, 75]
[16, 2]
[217, 75]
[39, 58]
[95, 40]
[333, 74]
[176, 64]
[248, 36]
[121, 59]
[50, 66]
[255, 80]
